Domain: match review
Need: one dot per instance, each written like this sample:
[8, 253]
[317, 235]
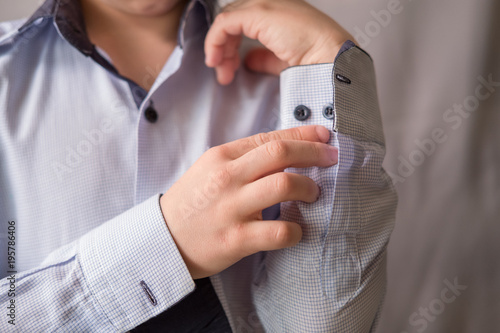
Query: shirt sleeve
[112, 279]
[334, 279]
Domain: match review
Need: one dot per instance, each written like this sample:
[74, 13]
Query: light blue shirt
[82, 169]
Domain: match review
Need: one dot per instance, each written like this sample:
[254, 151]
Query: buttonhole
[342, 78]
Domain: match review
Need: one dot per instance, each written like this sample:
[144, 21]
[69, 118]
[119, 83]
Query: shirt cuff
[331, 94]
[305, 92]
[132, 266]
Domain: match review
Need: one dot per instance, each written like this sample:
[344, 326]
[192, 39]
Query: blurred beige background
[431, 58]
[16, 9]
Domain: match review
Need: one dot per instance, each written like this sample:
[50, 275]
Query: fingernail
[323, 133]
[333, 153]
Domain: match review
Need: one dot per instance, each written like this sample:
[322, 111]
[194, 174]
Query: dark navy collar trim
[68, 18]
[46, 10]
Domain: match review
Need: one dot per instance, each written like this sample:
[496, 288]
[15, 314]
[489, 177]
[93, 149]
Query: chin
[153, 7]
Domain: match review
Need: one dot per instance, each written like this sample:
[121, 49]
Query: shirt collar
[69, 21]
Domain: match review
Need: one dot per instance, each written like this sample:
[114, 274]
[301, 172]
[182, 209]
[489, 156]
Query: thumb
[264, 61]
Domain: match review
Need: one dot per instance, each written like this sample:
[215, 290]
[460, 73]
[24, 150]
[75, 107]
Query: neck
[137, 42]
[103, 19]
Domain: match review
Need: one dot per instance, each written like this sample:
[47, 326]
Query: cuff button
[302, 112]
[328, 111]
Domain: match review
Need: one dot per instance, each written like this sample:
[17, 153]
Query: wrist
[327, 49]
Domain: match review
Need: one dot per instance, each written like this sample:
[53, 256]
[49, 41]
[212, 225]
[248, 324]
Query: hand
[294, 33]
[214, 211]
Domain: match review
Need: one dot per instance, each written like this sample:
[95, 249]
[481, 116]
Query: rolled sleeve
[334, 279]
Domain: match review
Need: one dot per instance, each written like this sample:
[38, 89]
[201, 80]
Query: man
[107, 104]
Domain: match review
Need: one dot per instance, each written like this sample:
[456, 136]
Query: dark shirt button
[302, 112]
[151, 114]
[328, 112]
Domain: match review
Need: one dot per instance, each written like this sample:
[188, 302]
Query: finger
[312, 133]
[267, 236]
[276, 188]
[227, 50]
[276, 156]
[226, 26]
[226, 70]
[264, 61]
[226, 59]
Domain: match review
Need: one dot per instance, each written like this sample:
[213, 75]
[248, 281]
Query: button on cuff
[302, 112]
[329, 112]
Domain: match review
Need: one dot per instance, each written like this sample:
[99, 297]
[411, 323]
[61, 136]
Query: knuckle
[234, 240]
[218, 152]
[246, 145]
[232, 6]
[262, 5]
[317, 150]
[282, 234]
[261, 139]
[226, 241]
[233, 169]
[294, 133]
[221, 177]
[297, 133]
[283, 183]
[222, 17]
[277, 149]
